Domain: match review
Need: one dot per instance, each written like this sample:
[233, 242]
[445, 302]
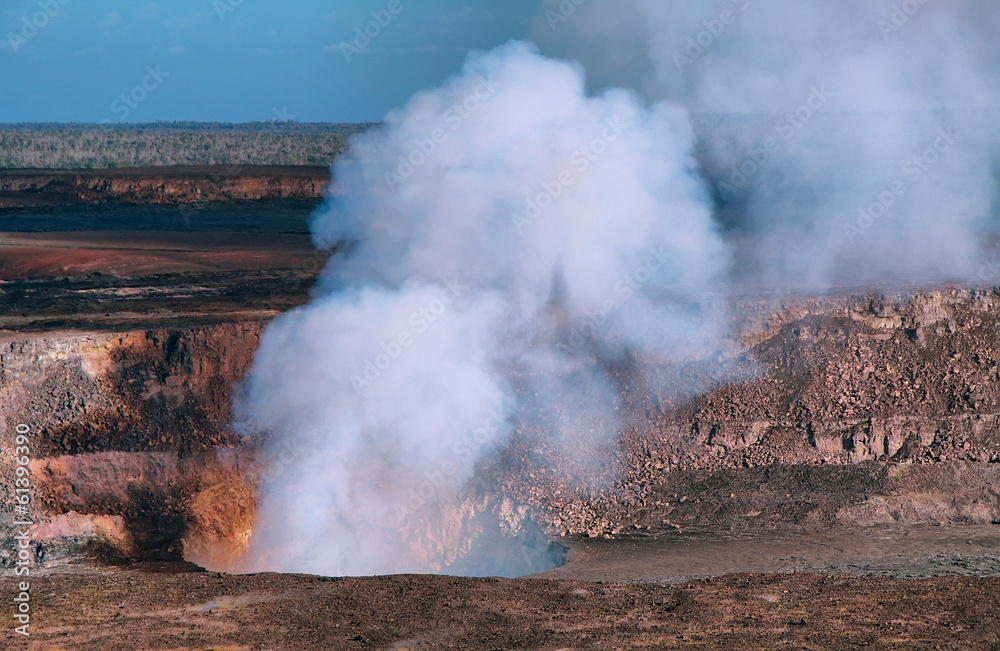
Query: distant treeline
[90, 146]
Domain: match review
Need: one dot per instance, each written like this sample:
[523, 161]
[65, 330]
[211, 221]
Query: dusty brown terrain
[115, 280]
[855, 437]
[140, 610]
[146, 253]
[153, 185]
[898, 551]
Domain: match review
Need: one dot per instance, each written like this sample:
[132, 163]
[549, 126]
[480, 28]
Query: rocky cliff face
[132, 453]
[856, 411]
[832, 411]
[172, 185]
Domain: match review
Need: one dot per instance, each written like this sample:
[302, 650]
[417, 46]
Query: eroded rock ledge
[840, 411]
[159, 185]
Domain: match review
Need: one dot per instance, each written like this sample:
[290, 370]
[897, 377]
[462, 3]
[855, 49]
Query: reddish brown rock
[157, 185]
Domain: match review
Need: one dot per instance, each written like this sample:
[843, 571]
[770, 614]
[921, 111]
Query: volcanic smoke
[514, 234]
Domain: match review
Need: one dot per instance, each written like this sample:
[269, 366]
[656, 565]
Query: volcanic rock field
[859, 412]
[852, 435]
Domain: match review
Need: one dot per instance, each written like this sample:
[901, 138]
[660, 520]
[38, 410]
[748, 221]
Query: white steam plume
[504, 225]
[511, 236]
[849, 141]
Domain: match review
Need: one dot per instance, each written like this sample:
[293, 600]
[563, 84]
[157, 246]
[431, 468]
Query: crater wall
[825, 412]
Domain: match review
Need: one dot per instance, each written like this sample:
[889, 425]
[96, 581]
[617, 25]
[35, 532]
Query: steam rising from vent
[511, 240]
[856, 140]
[504, 225]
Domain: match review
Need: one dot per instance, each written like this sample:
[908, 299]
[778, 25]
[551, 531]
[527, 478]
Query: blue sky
[235, 60]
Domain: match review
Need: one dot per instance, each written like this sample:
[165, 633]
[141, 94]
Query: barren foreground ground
[142, 610]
